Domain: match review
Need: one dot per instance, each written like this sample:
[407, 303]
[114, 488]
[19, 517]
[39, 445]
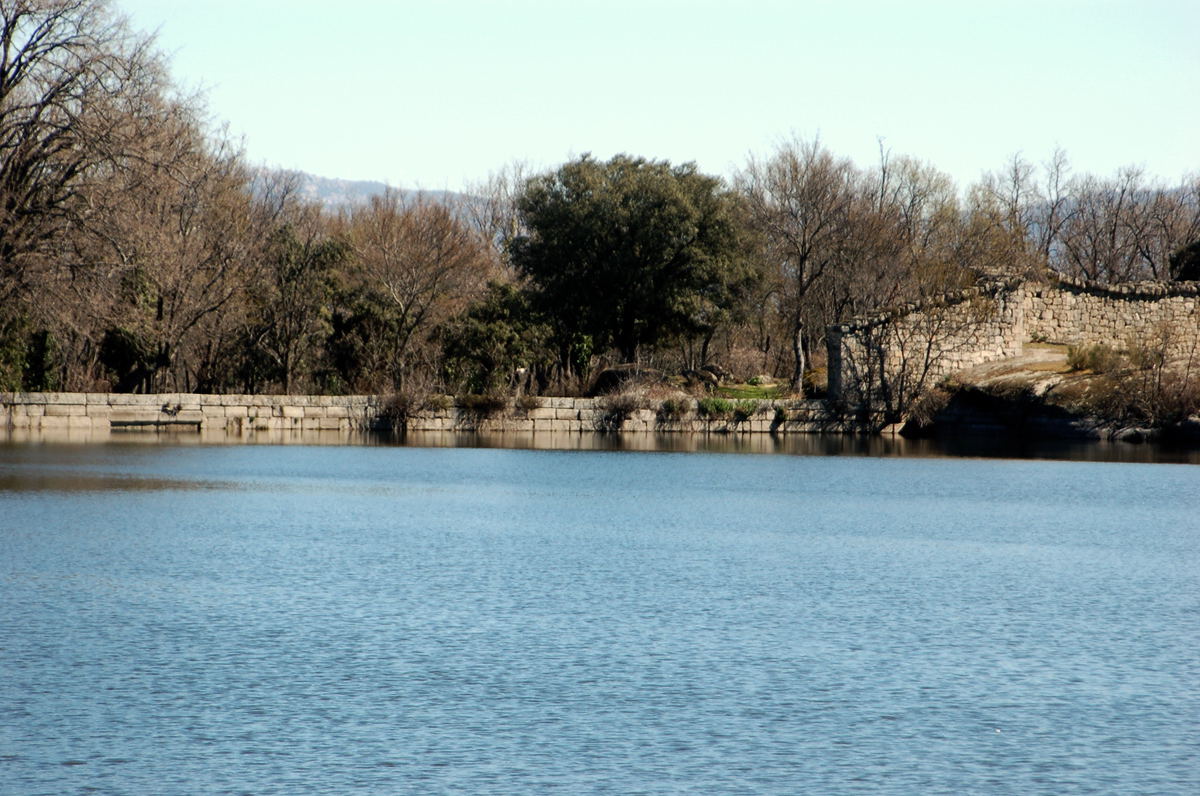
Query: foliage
[927, 405]
[29, 359]
[745, 409]
[482, 406]
[1185, 263]
[128, 358]
[485, 348]
[617, 407]
[763, 392]
[292, 306]
[630, 252]
[674, 409]
[422, 263]
[437, 402]
[713, 408]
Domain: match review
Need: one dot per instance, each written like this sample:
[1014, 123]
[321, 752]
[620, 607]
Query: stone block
[547, 413]
[29, 397]
[65, 409]
[66, 398]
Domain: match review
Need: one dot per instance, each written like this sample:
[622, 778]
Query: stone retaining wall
[247, 414]
[185, 411]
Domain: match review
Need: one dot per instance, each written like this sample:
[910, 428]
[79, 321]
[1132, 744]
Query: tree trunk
[704, 347]
[799, 360]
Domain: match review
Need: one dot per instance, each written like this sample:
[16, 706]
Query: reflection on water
[974, 446]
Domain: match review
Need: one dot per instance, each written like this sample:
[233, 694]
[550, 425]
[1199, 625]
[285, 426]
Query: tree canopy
[630, 252]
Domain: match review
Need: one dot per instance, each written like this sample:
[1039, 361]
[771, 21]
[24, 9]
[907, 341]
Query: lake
[361, 619]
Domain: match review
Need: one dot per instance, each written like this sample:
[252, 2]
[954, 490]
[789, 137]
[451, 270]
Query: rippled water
[194, 619]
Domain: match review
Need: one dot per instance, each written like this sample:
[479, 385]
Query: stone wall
[244, 415]
[900, 352]
[910, 348]
[183, 411]
[1074, 312]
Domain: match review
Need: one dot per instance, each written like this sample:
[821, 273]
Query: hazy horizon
[437, 96]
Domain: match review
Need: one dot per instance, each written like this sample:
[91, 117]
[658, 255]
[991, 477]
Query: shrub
[674, 409]
[618, 407]
[527, 402]
[482, 405]
[926, 407]
[1097, 358]
[437, 402]
[744, 410]
[781, 416]
[713, 408]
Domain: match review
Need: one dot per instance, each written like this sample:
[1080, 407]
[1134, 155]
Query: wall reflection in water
[973, 446]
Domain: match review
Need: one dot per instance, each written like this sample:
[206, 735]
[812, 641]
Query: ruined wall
[897, 354]
[910, 348]
[1073, 312]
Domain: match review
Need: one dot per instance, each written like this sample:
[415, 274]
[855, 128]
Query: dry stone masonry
[994, 320]
[1074, 312]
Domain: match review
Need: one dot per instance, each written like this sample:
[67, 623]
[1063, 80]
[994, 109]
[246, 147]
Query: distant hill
[334, 193]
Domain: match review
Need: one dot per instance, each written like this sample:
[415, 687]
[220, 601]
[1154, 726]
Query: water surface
[382, 619]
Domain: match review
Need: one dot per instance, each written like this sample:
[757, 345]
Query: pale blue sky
[439, 94]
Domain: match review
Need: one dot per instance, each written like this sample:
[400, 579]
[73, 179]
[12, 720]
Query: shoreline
[229, 418]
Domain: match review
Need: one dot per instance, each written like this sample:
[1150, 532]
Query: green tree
[487, 346]
[1185, 263]
[630, 252]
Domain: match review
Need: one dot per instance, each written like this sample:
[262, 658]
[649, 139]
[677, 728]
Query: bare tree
[76, 87]
[173, 238]
[491, 211]
[424, 263]
[800, 200]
